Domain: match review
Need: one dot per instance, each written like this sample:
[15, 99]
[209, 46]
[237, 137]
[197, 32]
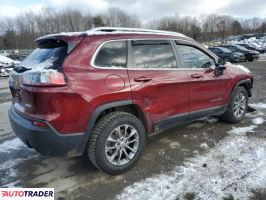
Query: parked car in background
[250, 55]
[227, 55]
[6, 65]
[252, 47]
[102, 92]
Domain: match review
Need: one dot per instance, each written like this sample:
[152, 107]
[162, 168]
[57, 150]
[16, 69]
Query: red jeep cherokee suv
[102, 92]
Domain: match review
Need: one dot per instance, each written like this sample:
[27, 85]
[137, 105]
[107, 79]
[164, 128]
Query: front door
[207, 91]
[156, 82]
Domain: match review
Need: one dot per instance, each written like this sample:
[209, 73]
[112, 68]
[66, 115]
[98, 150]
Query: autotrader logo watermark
[27, 194]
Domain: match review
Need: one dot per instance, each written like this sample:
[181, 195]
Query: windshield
[241, 48]
[225, 50]
[46, 57]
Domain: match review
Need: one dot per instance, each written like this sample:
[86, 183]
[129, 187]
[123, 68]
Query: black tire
[102, 130]
[250, 59]
[229, 115]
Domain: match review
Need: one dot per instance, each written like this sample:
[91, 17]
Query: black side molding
[185, 118]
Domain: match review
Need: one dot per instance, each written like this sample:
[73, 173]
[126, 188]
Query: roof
[121, 30]
[113, 31]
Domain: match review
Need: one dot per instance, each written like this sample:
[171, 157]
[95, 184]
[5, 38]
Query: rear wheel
[118, 139]
[250, 59]
[237, 107]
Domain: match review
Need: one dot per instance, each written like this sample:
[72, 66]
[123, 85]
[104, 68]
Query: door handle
[196, 76]
[142, 79]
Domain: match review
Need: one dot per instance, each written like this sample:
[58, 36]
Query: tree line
[21, 31]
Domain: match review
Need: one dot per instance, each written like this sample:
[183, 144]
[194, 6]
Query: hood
[255, 52]
[5, 60]
[240, 68]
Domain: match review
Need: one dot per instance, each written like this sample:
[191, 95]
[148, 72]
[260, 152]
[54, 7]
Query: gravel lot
[165, 155]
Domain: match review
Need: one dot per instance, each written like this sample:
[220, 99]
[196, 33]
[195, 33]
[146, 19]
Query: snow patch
[10, 166]
[258, 105]
[212, 120]
[9, 145]
[235, 167]
[204, 145]
[258, 120]
[242, 130]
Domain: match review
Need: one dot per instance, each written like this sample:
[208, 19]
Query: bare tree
[21, 31]
[115, 17]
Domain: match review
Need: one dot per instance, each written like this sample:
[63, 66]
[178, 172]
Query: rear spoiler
[72, 40]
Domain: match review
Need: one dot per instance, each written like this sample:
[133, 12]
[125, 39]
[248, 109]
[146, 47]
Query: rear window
[50, 54]
[112, 54]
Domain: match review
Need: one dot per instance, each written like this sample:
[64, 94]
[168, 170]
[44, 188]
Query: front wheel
[237, 107]
[118, 139]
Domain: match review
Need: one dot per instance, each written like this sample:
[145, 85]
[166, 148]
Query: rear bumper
[46, 140]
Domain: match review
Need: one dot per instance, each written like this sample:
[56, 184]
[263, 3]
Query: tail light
[39, 124]
[43, 78]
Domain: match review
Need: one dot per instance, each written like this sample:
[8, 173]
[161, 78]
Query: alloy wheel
[122, 144]
[239, 105]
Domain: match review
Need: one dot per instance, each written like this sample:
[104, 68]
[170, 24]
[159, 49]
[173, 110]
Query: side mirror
[219, 69]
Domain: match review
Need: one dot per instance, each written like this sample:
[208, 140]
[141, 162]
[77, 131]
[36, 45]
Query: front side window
[153, 54]
[192, 57]
[112, 54]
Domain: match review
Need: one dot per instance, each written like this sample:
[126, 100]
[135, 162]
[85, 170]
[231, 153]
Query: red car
[102, 92]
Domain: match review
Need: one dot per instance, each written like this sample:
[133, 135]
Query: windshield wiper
[20, 69]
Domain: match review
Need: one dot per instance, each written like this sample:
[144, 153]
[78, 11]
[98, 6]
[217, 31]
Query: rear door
[157, 84]
[207, 91]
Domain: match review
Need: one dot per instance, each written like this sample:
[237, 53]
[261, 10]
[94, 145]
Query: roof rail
[132, 30]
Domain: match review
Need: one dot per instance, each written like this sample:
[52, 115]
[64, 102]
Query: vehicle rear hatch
[41, 69]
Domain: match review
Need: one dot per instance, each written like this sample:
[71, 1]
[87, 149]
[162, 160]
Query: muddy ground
[78, 179]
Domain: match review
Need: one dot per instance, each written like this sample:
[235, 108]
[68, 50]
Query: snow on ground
[242, 130]
[258, 120]
[258, 105]
[10, 166]
[233, 168]
[212, 119]
[204, 145]
[10, 145]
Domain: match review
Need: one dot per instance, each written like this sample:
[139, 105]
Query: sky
[144, 9]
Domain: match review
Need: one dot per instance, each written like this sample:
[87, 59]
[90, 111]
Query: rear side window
[153, 54]
[112, 54]
[50, 54]
[192, 57]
